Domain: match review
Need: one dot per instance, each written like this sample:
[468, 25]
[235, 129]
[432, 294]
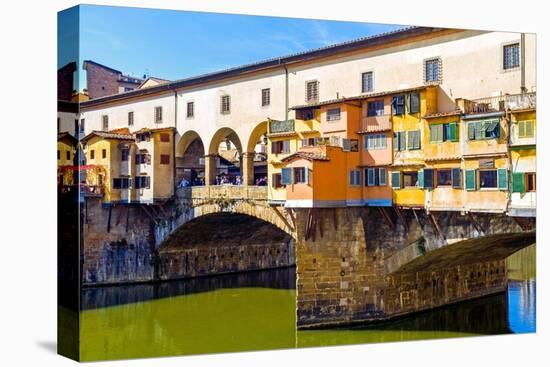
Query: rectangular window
[375, 108]
[530, 182]
[286, 176]
[103, 153]
[354, 177]
[125, 154]
[276, 180]
[305, 114]
[131, 118]
[165, 138]
[164, 159]
[82, 125]
[375, 141]
[282, 146]
[376, 177]
[309, 142]
[300, 174]
[399, 141]
[333, 114]
[312, 91]
[58, 155]
[121, 183]
[190, 110]
[526, 129]
[158, 114]
[432, 72]
[427, 178]
[398, 105]
[105, 122]
[396, 180]
[143, 182]
[410, 179]
[367, 82]
[68, 155]
[484, 129]
[266, 97]
[225, 104]
[488, 179]
[510, 56]
[354, 145]
[414, 102]
[457, 178]
[92, 154]
[444, 177]
[143, 159]
[413, 140]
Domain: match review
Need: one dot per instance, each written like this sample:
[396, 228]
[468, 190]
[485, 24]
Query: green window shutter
[470, 179]
[521, 129]
[518, 182]
[471, 131]
[396, 180]
[428, 178]
[439, 133]
[480, 130]
[382, 178]
[402, 141]
[529, 129]
[456, 174]
[421, 179]
[453, 128]
[502, 178]
[432, 133]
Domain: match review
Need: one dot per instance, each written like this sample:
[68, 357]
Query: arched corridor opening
[225, 158]
[190, 170]
[255, 157]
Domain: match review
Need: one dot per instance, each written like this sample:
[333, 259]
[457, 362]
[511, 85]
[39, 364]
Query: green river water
[256, 311]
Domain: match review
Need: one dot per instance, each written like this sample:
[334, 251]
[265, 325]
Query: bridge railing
[223, 191]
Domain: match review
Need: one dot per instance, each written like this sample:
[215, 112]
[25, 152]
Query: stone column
[210, 169]
[248, 168]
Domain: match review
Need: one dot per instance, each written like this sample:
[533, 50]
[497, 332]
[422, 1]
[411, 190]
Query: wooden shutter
[518, 182]
[273, 147]
[286, 176]
[453, 131]
[370, 176]
[402, 140]
[428, 178]
[479, 129]
[382, 177]
[456, 174]
[421, 179]
[414, 102]
[502, 178]
[471, 179]
[529, 129]
[471, 131]
[521, 129]
[286, 146]
[396, 180]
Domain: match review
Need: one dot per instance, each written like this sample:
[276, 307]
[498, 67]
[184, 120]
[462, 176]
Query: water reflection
[256, 311]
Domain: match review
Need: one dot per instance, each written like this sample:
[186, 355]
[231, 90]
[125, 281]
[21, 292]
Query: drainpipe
[522, 62]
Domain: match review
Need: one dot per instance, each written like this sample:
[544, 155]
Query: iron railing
[506, 102]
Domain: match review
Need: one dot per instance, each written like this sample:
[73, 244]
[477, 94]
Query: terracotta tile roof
[66, 135]
[305, 155]
[443, 114]
[108, 135]
[145, 129]
[449, 158]
[282, 135]
[359, 97]
[374, 130]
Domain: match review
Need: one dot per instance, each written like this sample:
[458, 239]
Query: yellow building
[443, 172]
[66, 149]
[104, 155]
[523, 162]
[407, 176]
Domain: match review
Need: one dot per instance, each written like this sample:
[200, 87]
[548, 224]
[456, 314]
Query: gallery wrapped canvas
[233, 183]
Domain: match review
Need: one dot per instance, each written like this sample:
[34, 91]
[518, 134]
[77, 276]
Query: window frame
[266, 97]
[428, 76]
[131, 117]
[376, 110]
[504, 47]
[315, 96]
[223, 104]
[338, 114]
[363, 74]
[354, 177]
[450, 178]
[190, 112]
[158, 118]
[479, 181]
[409, 173]
[394, 105]
[105, 122]
[164, 159]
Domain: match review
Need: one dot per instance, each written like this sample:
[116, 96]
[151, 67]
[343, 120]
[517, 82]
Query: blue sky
[178, 44]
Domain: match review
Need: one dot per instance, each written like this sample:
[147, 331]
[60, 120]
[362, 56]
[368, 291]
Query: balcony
[281, 126]
[375, 123]
[506, 102]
